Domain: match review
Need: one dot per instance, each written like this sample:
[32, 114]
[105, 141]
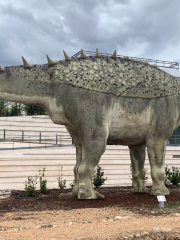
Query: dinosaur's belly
[131, 121]
[127, 135]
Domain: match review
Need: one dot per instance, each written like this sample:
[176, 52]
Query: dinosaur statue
[103, 100]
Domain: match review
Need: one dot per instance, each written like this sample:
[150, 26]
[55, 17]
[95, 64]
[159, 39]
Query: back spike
[98, 55]
[67, 58]
[145, 62]
[83, 55]
[50, 61]
[114, 55]
[25, 63]
[1, 69]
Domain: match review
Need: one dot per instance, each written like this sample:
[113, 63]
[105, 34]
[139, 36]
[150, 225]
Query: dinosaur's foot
[140, 189]
[85, 193]
[159, 190]
[139, 186]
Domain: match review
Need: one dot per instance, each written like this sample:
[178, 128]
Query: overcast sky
[137, 28]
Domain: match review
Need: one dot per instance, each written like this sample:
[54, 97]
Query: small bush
[61, 182]
[72, 184]
[43, 182]
[30, 186]
[98, 179]
[172, 176]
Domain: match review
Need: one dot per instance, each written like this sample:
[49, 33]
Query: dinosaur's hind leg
[78, 145]
[156, 152]
[137, 154]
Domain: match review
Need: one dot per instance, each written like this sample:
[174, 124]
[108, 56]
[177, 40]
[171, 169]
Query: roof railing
[159, 63]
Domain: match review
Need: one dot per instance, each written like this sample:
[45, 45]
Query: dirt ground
[57, 215]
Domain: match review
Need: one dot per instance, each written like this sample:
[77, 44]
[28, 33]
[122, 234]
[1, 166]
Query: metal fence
[33, 137]
[159, 63]
[41, 137]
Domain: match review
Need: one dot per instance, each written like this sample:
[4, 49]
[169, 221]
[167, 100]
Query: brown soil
[58, 215]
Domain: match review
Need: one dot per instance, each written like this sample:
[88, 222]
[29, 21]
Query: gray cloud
[134, 27]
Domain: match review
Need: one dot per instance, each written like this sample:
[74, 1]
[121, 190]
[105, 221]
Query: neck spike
[114, 55]
[67, 58]
[25, 63]
[98, 55]
[50, 61]
[1, 69]
[83, 55]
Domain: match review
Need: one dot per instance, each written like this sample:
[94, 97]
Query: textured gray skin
[95, 118]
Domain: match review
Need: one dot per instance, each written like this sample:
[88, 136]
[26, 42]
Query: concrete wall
[17, 164]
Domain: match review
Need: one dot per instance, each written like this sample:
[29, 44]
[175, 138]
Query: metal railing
[159, 63]
[57, 139]
[28, 137]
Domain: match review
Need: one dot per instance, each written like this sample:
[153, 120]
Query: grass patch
[153, 206]
[173, 205]
[166, 205]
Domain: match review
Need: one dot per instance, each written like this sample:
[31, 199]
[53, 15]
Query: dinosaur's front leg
[91, 153]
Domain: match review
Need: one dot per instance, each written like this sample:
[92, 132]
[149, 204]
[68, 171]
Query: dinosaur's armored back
[120, 77]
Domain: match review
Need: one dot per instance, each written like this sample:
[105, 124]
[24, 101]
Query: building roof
[171, 71]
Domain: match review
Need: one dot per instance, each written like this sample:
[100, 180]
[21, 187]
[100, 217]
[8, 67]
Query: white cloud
[136, 28]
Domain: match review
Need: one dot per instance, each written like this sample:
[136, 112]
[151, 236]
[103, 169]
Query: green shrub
[43, 182]
[61, 182]
[172, 176]
[98, 179]
[30, 186]
[72, 184]
[34, 110]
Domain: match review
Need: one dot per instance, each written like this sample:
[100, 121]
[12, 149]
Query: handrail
[159, 63]
[56, 140]
[38, 138]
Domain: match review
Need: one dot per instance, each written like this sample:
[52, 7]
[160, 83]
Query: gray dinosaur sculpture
[103, 100]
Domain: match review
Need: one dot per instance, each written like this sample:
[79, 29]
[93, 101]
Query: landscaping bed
[58, 215]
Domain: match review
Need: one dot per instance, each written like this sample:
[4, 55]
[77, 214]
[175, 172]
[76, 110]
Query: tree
[19, 109]
[34, 110]
[3, 110]
[16, 110]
